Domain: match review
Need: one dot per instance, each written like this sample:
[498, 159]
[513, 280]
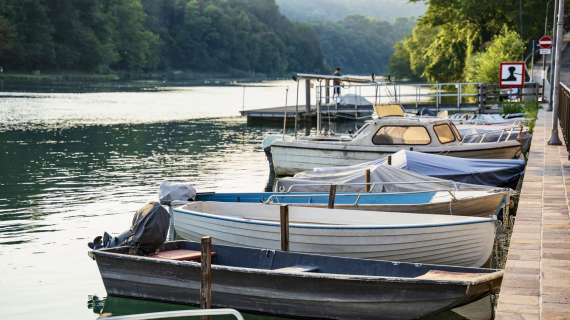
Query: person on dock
[336, 83]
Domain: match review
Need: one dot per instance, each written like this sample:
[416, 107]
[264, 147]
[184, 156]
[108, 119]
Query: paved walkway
[536, 284]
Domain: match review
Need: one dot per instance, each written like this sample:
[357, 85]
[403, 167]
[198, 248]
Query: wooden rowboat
[299, 285]
[422, 238]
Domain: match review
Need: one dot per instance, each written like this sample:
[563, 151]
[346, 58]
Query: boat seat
[295, 269]
[180, 255]
[440, 275]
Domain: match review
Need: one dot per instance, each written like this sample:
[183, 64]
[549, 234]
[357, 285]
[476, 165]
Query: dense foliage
[453, 31]
[335, 10]
[482, 66]
[146, 35]
[359, 44]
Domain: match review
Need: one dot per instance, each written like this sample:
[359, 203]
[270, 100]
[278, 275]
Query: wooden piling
[284, 222]
[332, 196]
[206, 275]
[367, 179]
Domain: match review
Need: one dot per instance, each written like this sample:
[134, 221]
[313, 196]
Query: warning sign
[512, 74]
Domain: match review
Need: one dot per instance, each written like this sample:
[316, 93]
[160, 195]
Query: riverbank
[174, 75]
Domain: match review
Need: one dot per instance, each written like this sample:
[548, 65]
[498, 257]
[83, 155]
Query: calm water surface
[76, 164]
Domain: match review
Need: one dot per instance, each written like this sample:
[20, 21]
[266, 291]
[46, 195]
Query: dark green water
[73, 165]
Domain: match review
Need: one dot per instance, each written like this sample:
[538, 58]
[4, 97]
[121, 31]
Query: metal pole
[532, 61]
[297, 110]
[552, 55]
[318, 98]
[285, 113]
[554, 139]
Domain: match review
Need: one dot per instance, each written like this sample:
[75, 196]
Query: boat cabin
[407, 132]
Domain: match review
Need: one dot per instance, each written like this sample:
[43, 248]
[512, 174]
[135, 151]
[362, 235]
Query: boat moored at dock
[294, 284]
[376, 139]
[421, 238]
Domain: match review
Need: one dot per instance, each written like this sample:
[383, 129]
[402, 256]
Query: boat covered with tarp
[408, 171]
[294, 284]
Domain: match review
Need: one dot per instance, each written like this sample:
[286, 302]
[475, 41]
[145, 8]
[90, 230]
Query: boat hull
[288, 158]
[292, 294]
[468, 244]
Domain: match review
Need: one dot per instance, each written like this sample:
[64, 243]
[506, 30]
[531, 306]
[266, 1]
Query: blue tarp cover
[500, 173]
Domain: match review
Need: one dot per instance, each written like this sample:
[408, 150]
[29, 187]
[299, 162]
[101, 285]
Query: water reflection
[56, 172]
[118, 306]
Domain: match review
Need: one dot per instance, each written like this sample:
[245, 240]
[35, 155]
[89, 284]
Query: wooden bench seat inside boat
[294, 269]
[180, 255]
[440, 275]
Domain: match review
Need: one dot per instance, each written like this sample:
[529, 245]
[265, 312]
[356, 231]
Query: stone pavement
[536, 284]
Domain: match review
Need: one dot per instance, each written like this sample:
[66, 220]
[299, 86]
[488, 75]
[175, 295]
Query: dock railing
[564, 113]
[452, 95]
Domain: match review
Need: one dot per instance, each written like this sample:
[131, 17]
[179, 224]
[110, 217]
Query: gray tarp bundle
[405, 175]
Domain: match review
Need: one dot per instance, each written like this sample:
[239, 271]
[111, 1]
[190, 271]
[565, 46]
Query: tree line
[459, 40]
[146, 35]
[203, 35]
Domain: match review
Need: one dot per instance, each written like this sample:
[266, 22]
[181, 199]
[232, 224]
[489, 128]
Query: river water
[80, 162]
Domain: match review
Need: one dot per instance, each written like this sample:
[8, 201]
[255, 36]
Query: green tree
[453, 31]
[483, 66]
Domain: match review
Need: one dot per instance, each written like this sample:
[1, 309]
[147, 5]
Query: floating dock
[536, 284]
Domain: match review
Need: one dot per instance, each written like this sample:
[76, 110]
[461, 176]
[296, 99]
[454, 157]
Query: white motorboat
[379, 138]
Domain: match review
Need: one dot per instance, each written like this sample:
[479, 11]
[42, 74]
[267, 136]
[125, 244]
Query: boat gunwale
[472, 220]
[492, 274]
[463, 196]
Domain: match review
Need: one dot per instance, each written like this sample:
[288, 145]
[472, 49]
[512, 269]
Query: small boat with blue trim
[294, 284]
[476, 203]
[421, 238]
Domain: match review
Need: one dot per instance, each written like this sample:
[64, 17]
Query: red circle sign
[545, 42]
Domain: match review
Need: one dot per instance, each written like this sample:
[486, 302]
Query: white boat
[376, 139]
[421, 238]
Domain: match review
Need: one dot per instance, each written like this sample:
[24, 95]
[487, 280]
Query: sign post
[545, 44]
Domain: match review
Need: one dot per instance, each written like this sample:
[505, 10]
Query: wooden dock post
[368, 187]
[206, 275]
[332, 196]
[284, 222]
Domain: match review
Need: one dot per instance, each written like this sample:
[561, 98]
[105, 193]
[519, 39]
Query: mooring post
[206, 275]
[284, 222]
[390, 160]
[332, 196]
[368, 186]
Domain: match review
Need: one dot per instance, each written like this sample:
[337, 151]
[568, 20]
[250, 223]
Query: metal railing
[438, 95]
[564, 113]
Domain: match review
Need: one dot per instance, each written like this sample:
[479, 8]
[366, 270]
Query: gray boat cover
[409, 172]
[491, 172]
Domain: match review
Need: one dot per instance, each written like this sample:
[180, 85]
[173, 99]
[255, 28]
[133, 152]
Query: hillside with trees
[244, 37]
[336, 10]
[135, 35]
[359, 44]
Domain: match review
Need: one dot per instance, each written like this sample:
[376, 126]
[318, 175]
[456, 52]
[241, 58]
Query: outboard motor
[148, 232]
